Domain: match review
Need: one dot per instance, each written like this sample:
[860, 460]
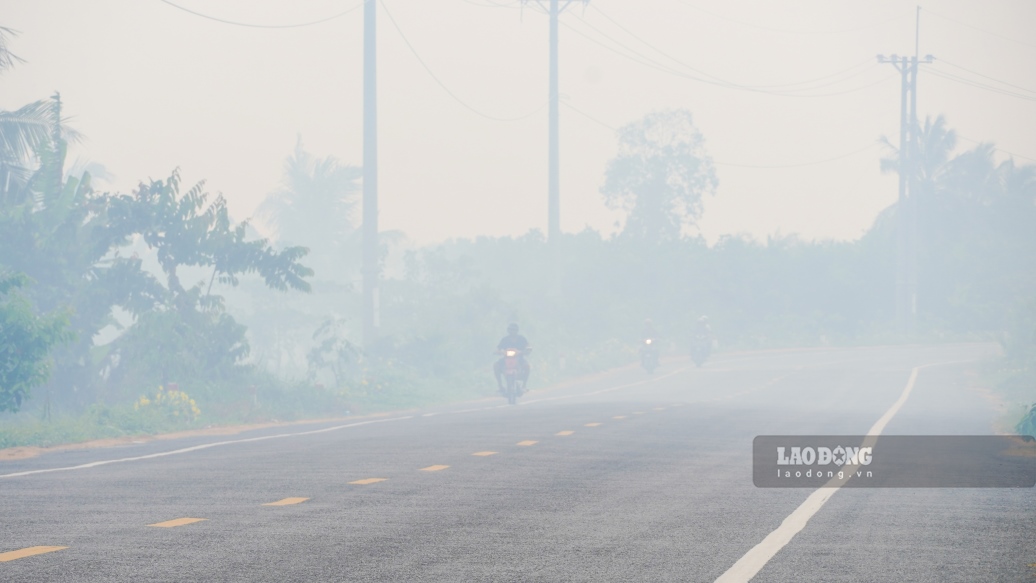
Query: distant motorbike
[649, 355]
[514, 376]
[701, 347]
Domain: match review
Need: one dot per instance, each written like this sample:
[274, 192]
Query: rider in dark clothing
[515, 341]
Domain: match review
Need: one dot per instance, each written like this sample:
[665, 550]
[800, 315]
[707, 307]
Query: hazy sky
[154, 87]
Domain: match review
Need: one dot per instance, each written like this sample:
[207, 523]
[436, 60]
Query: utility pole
[906, 206]
[553, 9]
[370, 175]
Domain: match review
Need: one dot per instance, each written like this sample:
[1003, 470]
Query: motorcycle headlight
[648, 341]
[511, 352]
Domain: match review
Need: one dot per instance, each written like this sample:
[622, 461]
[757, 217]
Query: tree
[188, 336]
[56, 230]
[313, 207]
[659, 176]
[189, 231]
[27, 130]
[26, 341]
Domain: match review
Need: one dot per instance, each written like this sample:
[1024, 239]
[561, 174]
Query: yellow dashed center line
[177, 522]
[484, 453]
[286, 502]
[527, 442]
[619, 417]
[659, 409]
[27, 552]
[566, 432]
[592, 424]
[366, 481]
[434, 468]
[638, 412]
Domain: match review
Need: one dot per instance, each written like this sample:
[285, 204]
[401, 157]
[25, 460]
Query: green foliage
[659, 176]
[1027, 425]
[189, 347]
[333, 352]
[189, 231]
[314, 207]
[26, 341]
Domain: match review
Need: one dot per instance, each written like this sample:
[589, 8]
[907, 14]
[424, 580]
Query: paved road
[621, 477]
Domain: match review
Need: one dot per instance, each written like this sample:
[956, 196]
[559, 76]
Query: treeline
[105, 296]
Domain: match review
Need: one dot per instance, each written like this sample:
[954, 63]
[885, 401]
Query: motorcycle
[701, 347]
[514, 377]
[649, 355]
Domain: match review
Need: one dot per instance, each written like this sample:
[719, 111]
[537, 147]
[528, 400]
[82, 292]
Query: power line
[800, 164]
[654, 64]
[784, 31]
[235, 23]
[599, 31]
[982, 30]
[987, 77]
[1002, 151]
[443, 85]
[588, 116]
[667, 55]
[979, 85]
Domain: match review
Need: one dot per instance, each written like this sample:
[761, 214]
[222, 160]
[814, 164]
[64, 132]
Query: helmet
[512, 328]
[704, 319]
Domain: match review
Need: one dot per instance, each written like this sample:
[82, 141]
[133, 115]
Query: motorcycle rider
[702, 328]
[702, 332]
[514, 341]
[649, 346]
[648, 333]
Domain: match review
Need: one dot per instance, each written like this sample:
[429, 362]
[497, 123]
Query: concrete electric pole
[553, 8]
[370, 175]
[906, 206]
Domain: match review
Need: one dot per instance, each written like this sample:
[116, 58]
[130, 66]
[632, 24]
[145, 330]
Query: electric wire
[654, 64]
[987, 76]
[1001, 150]
[784, 31]
[245, 24]
[588, 116]
[978, 84]
[800, 164]
[443, 85]
[869, 60]
[982, 30]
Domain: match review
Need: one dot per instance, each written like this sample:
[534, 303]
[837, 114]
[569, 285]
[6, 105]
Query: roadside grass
[261, 398]
[1014, 381]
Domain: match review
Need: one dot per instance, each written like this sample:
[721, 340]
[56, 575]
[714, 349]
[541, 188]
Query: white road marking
[200, 447]
[337, 427]
[754, 560]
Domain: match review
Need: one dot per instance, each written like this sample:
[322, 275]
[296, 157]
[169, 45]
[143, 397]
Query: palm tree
[313, 207]
[25, 132]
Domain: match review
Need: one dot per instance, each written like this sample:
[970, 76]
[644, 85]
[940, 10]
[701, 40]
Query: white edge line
[755, 559]
[199, 447]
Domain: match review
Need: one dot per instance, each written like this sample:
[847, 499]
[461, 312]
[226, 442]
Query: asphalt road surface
[618, 477]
